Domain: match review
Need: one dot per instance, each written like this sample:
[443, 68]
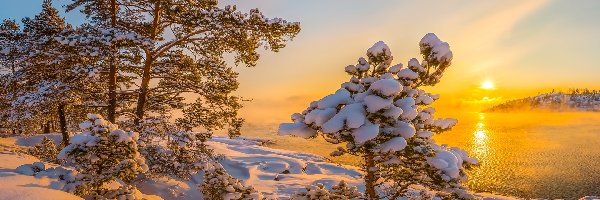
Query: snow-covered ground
[15, 186]
[276, 173]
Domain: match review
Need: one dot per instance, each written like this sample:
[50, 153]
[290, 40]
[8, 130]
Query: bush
[46, 150]
[184, 155]
[318, 192]
[218, 184]
[102, 153]
[125, 192]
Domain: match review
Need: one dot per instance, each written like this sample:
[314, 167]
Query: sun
[487, 85]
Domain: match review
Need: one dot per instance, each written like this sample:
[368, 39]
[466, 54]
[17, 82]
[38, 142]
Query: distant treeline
[572, 100]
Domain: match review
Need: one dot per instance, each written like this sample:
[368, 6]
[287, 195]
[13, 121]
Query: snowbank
[276, 173]
[17, 186]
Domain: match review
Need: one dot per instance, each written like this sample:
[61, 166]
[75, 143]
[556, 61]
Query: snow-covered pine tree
[95, 45]
[185, 154]
[41, 86]
[341, 191]
[61, 70]
[103, 153]
[5, 108]
[205, 32]
[125, 192]
[120, 57]
[10, 36]
[385, 118]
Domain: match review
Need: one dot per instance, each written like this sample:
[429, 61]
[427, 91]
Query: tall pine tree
[10, 36]
[38, 91]
[199, 33]
[56, 80]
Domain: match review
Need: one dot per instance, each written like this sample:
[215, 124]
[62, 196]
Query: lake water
[528, 155]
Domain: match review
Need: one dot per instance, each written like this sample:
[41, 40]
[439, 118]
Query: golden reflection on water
[530, 155]
[481, 148]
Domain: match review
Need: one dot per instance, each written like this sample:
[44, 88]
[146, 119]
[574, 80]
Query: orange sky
[523, 47]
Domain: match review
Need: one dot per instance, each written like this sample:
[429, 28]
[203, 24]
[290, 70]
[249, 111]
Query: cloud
[482, 40]
[500, 22]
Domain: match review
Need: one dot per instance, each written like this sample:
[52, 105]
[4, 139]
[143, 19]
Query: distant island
[572, 100]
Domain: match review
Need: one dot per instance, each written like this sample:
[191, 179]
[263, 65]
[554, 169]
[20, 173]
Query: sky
[520, 47]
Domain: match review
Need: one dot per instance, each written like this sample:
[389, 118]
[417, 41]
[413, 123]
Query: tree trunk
[47, 127]
[112, 93]
[143, 95]
[63, 125]
[112, 73]
[370, 177]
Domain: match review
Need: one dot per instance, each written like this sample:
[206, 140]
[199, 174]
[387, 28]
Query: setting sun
[488, 85]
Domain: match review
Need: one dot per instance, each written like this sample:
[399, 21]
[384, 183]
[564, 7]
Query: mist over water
[528, 155]
[531, 155]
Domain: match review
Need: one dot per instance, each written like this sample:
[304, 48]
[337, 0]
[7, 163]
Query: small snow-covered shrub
[318, 192]
[218, 184]
[384, 117]
[418, 192]
[125, 192]
[46, 150]
[182, 156]
[102, 153]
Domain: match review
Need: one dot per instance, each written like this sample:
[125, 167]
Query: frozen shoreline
[277, 173]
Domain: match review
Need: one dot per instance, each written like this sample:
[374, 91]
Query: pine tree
[184, 155]
[102, 153]
[61, 70]
[10, 37]
[385, 118]
[218, 184]
[41, 86]
[95, 45]
[341, 191]
[205, 32]
[106, 15]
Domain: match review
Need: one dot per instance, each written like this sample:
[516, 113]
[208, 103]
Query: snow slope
[14, 186]
[276, 173]
[267, 169]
